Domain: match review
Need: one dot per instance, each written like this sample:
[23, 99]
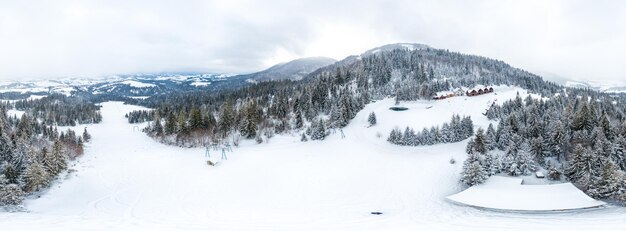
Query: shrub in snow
[303, 138]
[452, 161]
[554, 174]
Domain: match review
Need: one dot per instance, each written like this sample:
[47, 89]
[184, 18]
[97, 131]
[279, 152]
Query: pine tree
[372, 119]
[55, 161]
[195, 119]
[35, 177]
[524, 160]
[86, 136]
[473, 173]
[583, 119]
[479, 142]
[11, 173]
[299, 120]
[157, 127]
[395, 137]
[490, 137]
[318, 130]
[582, 167]
[608, 185]
[226, 118]
[11, 194]
[170, 124]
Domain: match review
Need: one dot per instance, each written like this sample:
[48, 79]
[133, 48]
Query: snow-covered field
[126, 181]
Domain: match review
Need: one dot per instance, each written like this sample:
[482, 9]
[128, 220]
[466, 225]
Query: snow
[24, 90]
[139, 97]
[508, 193]
[136, 84]
[200, 84]
[127, 181]
[34, 97]
[408, 46]
[16, 113]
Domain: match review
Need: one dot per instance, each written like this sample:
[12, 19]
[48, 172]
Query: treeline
[139, 116]
[32, 155]
[61, 110]
[333, 94]
[457, 130]
[572, 135]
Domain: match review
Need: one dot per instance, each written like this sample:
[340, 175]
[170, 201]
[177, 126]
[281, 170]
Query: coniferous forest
[33, 155]
[575, 137]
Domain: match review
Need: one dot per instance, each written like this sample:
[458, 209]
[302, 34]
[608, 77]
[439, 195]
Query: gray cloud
[40, 39]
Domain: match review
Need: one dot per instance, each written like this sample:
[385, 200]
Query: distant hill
[395, 46]
[294, 70]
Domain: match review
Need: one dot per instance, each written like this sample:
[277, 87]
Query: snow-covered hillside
[604, 86]
[127, 181]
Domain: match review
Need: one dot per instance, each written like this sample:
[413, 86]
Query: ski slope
[127, 181]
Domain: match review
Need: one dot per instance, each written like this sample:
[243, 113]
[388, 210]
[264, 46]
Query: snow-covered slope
[603, 86]
[389, 47]
[294, 70]
[127, 181]
[122, 85]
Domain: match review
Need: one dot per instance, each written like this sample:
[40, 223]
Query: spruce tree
[86, 136]
[35, 177]
[608, 184]
[371, 119]
[11, 194]
[473, 173]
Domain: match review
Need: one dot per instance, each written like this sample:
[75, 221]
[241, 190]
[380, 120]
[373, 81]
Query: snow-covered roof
[507, 193]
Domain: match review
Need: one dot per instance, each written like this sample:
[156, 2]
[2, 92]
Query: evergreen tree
[318, 130]
[86, 136]
[35, 177]
[608, 184]
[473, 173]
[299, 120]
[54, 161]
[226, 118]
[582, 167]
[479, 146]
[490, 137]
[11, 194]
[371, 119]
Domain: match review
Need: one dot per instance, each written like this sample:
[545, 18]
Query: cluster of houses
[460, 92]
[479, 92]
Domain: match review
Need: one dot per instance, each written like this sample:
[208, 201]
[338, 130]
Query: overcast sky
[50, 39]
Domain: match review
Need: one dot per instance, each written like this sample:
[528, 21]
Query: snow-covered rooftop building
[508, 193]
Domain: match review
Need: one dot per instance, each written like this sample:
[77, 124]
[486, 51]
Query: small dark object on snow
[377, 213]
[398, 108]
[210, 163]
